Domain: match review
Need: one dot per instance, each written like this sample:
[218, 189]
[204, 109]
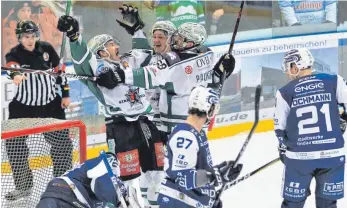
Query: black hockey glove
[69, 25]
[131, 19]
[111, 78]
[225, 63]
[224, 173]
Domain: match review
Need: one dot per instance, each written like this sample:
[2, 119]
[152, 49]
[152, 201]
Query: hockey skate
[17, 194]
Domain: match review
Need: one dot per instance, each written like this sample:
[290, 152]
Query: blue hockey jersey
[308, 11]
[91, 183]
[307, 119]
[187, 152]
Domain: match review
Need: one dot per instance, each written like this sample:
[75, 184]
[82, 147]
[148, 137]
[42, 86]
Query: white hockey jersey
[176, 76]
[123, 100]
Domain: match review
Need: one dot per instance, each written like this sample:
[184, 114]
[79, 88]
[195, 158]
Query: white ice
[262, 190]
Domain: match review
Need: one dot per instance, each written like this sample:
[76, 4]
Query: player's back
[313, 119]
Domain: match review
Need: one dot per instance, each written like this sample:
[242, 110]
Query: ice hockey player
[307, 126]
[129, 132]
[182, 69]
[191, 179]
[160, 34]
[87, 185]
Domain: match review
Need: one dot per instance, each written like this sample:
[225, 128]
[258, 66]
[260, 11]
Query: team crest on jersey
[45, 56]
[133, 96]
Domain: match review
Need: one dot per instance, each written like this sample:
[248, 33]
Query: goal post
[33, 152]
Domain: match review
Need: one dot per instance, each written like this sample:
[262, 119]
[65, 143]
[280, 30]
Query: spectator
[34, 11]
[308, 12]
[179, 12]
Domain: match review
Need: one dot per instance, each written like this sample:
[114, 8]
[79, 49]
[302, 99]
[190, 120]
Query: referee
[37, 97]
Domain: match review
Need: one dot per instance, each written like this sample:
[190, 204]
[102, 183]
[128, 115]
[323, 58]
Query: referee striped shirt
[37, 89]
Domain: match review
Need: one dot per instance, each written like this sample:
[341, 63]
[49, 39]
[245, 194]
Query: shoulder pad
[103, 66]
[171, 58]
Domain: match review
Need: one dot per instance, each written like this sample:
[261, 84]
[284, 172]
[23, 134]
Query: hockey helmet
[27, 26]
[301, 57]
[204, 100]
[98, 43]
[188, 32]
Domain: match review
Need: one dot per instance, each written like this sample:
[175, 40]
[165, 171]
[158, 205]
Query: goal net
[33, 151]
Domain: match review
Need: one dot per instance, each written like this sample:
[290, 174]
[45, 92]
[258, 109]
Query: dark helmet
[26, 26]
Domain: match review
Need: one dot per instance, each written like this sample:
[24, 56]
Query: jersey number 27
[183, 142]
[314, 119]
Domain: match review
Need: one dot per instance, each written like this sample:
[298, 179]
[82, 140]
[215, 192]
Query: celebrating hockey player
[191, 179]
[88, 185]
[160, 35]
[179, 71]
[307, 125]
[129, 132]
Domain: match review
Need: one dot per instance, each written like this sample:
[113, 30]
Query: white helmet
[98, 42]
[301, 57]
[189, 32]
[204, 100]
[167, 26]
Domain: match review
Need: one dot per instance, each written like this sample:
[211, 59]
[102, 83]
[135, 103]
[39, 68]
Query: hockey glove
[131, 21]
[111, 78]
[69, 25]
[282, 151]
[224, 173]
[225, 63]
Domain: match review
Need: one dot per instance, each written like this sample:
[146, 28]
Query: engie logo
[317, 85]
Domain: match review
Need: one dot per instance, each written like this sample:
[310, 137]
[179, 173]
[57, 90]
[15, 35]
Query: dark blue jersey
[187, 152]
[307, 118]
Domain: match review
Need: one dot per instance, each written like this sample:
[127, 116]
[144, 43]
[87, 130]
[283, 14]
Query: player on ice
[191, 179]
[128, 130]
[180, 70]
[88, 186]
[307, 125]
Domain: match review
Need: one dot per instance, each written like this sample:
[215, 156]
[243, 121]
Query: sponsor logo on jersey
[204, 61]
[133, 96]
[204, 76]
[125, 64]
[309, 87]
[188, 69]
[45, 56]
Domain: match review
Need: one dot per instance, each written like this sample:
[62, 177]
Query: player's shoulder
[184, 130]
[103, 66]
[45, 45]
[14, 51]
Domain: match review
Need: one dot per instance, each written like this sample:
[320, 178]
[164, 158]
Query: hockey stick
[233, 183]
[62, 49]
[113, 179]
[23, 70]
[256, 120]
[232, 42]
